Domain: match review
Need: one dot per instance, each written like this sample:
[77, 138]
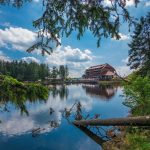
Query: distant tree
[44, 71]
[139, 53]
[54, 72]
[62, 71]
[66, 71]
[62, 17]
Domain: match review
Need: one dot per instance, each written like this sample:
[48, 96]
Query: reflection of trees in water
[75, 112]
[18, 97]
[97, 133]
[102, 91]
[61, 91]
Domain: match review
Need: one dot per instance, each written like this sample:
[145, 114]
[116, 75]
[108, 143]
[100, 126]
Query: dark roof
[100, 66]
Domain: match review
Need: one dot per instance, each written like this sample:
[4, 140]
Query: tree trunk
[129, 121]
[93, 136]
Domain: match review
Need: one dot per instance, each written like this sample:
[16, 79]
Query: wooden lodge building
[100, 72]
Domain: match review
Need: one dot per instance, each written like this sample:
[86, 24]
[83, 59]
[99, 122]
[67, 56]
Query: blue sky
[17, 34]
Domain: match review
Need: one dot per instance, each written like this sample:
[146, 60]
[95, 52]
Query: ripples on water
[48, 123]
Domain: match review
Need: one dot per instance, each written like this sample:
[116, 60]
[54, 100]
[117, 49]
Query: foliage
[63, 17]
[54, 73]
[18, 93]
[138, 139]
[137, 94]
[24, 71]
[139, 53]
[63, 71]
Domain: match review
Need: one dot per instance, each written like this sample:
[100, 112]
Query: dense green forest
[32, 71]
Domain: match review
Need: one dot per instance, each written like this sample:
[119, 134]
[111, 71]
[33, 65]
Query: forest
[32, 71]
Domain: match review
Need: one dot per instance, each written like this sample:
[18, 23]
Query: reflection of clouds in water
[14, 124]
[17, 125]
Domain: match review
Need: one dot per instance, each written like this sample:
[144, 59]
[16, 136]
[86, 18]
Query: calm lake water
[47, 126]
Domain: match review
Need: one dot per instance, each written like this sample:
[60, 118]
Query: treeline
[61, 72]
[32, 71]
[24, 71]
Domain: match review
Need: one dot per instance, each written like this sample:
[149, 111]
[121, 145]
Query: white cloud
[76, 59]
[123, 70]
[36, 1]
[128, 2]
[5, 24]
[30, 59]
[122, 37]
[17, 38]
[4, 57]
[147, 3]
[125, 60]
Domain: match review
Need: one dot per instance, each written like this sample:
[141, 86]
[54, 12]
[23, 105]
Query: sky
[17, 34]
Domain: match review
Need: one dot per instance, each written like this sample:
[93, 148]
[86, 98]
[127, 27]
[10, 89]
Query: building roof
[100, 66]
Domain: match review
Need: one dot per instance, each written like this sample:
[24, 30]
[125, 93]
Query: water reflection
[18, 97]
[64, 104]
[105, 92]
[97, 133]
[60, 90]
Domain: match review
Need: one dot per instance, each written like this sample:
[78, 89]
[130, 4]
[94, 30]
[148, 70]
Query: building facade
[100, 72]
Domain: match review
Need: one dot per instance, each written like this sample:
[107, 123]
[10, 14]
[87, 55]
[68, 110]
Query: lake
[47, 124]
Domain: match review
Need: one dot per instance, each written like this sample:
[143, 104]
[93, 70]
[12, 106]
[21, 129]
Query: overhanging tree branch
[62, 17]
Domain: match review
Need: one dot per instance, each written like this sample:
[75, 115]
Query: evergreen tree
[62, 71]
[54, 72]
[139, 53]
[66, 71]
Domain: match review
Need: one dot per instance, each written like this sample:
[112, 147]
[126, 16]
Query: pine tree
[66, 71]
[62, 71]
[54, 72]
[139, 53]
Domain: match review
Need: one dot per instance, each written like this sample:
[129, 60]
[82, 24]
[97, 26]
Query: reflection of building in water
[102, 91]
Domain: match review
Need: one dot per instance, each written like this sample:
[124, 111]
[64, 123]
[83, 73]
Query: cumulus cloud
[147, 3]
[123, 37]
[4, 57]
[30, 59]
[17, 38]
[76, 59]
[125, 60]
[123, 70]
[128, 2]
